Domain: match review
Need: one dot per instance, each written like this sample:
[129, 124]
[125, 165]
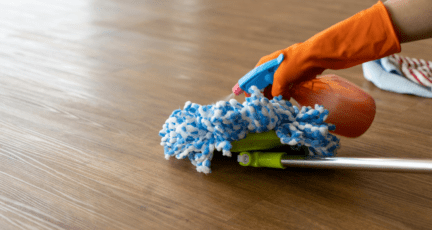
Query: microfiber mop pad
[196, 131]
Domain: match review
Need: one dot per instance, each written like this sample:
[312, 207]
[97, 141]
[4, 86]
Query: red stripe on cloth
[405, 61]
[399, 59]
[427, 70]
[410, 62]
[424, 76]
[416, 62]
[415, 76]
[407, 74]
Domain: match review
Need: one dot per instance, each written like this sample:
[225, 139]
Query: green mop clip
[249, 156]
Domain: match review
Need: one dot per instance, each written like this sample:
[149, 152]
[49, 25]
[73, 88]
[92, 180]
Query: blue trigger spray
[261, 76]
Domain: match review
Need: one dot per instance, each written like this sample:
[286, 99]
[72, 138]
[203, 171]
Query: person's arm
[412, 19]
[368, 35]
[365, 36]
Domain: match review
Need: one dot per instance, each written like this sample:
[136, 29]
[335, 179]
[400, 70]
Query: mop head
[196, 131]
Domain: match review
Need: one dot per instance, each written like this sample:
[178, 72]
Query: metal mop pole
[367, 164]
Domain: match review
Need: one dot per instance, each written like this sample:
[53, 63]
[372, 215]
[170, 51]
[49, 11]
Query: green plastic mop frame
[254, 151]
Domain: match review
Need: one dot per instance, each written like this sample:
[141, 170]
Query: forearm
[412, 19]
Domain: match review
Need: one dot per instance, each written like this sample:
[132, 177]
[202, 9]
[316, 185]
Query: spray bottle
[351, 109]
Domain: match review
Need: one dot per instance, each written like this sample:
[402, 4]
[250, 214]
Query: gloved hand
[366, 36]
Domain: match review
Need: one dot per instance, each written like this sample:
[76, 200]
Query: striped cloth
[399, 74]
[416, 70]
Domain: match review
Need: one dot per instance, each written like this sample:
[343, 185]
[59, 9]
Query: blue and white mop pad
[196, 131]
[400, 75]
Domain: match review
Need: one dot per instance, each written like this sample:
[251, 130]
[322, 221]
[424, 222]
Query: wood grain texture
[85, 87]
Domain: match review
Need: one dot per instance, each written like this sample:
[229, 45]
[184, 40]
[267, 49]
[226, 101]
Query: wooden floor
[85, 87]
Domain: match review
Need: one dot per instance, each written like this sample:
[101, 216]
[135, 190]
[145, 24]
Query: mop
[255, 128]
[197, 130]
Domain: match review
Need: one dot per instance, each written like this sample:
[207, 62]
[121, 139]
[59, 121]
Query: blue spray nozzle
[261, 76]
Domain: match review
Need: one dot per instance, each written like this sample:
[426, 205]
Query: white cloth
[401, 75]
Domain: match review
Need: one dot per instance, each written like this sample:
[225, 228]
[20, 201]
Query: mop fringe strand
[196, 131]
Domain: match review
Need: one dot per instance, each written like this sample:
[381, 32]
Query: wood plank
[86, 86]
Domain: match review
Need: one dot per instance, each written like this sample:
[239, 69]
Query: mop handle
[367, 164]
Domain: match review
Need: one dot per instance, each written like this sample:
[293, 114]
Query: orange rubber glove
[366, 36]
